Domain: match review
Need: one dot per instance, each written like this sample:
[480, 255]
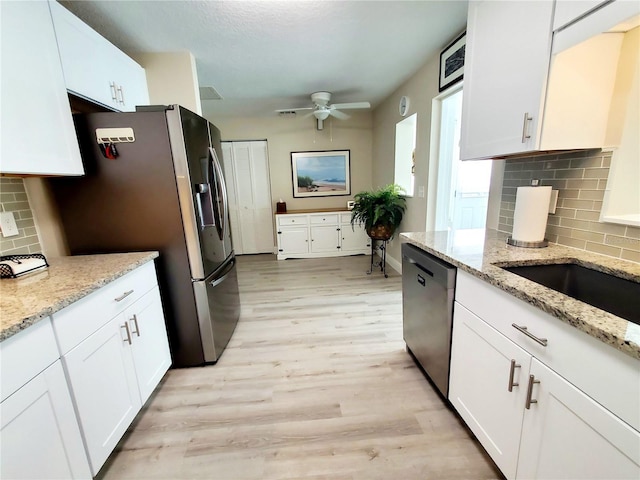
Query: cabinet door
[40, 434]
[37, 134]
[481, 363]
[104, 386]
[150, 347]
[94, 68]
[506, 65]
[567, 435]
[353, 238]
[293, 240]
[325, 238]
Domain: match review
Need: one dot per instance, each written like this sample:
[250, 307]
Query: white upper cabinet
[94, 68]
[37, 135]
[538, 80]
[507, 58]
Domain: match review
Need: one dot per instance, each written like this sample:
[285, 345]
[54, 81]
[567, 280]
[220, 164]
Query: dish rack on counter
[13, 266]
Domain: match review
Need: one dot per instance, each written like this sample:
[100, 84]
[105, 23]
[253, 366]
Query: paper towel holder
[521, 243]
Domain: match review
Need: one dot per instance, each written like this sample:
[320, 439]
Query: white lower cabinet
[114, 366]
[105, 390]
[481, 362]
[320, 234]
[534, 422]
[566, 435]
[40, 434]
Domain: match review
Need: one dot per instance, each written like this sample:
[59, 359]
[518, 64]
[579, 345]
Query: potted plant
[380, 211]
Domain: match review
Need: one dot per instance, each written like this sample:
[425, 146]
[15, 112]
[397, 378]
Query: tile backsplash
[13, 198]
[581, 179]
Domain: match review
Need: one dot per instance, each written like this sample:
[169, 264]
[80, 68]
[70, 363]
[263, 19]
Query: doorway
[461, 188]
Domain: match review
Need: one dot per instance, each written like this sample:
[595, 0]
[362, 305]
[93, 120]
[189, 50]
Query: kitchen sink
[615, 295]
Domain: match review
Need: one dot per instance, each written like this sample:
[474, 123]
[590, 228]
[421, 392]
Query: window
[405, 153]
[461, 188]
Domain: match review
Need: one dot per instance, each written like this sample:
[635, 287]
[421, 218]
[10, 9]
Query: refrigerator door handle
[227, 272]
[220, 179]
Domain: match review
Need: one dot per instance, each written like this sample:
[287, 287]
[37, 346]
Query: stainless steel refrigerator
[154, 181]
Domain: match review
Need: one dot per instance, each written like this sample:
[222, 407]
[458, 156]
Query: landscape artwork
[319, 174]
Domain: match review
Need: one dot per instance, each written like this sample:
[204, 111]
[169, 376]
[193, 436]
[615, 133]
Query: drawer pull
[541, 341]
[514, 365]
[135, 321]
[123, 296]
[532, 380]
[126, 327]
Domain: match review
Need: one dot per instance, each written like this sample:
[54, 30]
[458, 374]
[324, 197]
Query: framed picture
[452, 62]
[321, 174]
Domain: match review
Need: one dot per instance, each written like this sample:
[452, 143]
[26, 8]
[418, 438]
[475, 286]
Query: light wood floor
[315, 384]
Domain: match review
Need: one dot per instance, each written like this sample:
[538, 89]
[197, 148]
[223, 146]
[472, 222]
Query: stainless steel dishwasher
[428, 286]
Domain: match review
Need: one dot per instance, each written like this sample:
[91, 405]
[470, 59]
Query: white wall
[285, 135]
[171, 78]
[420, 88]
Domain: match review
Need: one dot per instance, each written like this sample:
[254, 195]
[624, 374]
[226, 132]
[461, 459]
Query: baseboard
[393, 263]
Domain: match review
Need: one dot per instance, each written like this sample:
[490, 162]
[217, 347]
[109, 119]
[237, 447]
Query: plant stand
[383, 256]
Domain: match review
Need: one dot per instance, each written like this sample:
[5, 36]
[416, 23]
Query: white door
[566, 435]
[246, 167]
[104, 386]
[482, 360]
[324, 238]
[150, 346]
[293, 240]
[353, 238]
[40, 434]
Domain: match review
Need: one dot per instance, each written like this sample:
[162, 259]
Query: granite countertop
[480, 251]
[28, 299]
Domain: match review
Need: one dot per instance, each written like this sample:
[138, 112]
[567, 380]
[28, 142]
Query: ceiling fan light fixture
[321, 114]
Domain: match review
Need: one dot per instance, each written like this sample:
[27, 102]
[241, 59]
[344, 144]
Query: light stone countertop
[478, 252]
[26, 300]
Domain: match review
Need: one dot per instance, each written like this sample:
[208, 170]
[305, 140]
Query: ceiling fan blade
[338, 114]
[294, 109]
[347, 106]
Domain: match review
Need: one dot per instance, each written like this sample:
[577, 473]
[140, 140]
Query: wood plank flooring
[315, 384]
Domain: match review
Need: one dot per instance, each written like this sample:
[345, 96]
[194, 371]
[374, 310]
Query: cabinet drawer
[292, 220]
[323, 219]
[581, 359]
[80, 319]
[25, 355]
[345, 218]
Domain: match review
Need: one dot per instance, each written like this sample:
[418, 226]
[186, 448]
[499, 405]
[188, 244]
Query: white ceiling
[265, 55]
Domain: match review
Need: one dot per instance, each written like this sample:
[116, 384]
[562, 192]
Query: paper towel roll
[530, 216]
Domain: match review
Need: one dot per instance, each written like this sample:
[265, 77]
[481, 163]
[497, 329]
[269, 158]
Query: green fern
[384, 206]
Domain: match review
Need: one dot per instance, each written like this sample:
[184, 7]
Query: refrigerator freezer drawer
[218, 305]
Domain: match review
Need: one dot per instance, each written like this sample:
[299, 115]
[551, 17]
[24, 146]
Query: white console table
[319, 233]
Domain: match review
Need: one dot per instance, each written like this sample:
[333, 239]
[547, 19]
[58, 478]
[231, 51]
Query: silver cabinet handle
[123, 296]
[114, 94]
[532, 380]
[525, 124]
[541, 341]
[126, 327]
[121, 92]
[514, 365]
[135, 321]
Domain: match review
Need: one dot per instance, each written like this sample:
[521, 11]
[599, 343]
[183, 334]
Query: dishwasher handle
[413, 262]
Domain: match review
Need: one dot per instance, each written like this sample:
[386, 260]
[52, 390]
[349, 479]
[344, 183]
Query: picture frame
[452, 62]
[321, 174]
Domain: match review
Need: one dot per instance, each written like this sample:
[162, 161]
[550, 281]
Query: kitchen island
[482, 252]
[28, 299]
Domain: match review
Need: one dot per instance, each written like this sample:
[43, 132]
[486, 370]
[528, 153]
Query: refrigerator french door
[163, 189]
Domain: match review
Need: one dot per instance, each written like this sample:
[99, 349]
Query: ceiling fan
[321, 108]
